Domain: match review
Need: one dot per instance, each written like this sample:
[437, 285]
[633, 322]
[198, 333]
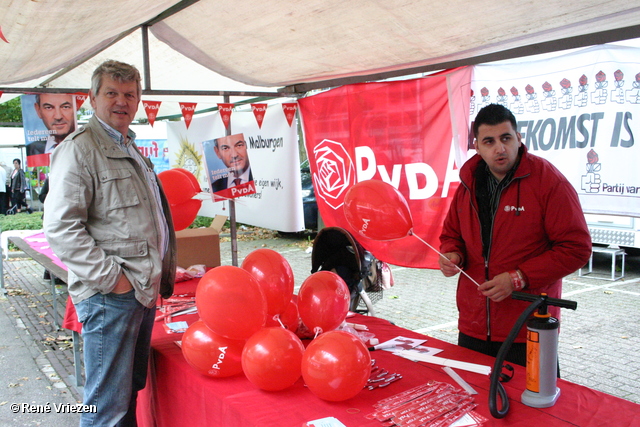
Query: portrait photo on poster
[48, 118]
[228, 167]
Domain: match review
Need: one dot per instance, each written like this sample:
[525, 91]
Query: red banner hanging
[398, 132]
[188, 109]
[225, 113]
[289, 109]
[152, 107]
[259, 110]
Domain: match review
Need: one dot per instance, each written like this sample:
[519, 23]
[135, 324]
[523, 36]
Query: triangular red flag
[259, 110]
[289, 109]
[225, 113]
[151, 108]
[2, 36]
[187, 108]
[80, 98]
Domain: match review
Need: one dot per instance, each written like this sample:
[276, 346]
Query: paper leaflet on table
[325, 422]
[471, 367]
[421, 349]
[401, 343]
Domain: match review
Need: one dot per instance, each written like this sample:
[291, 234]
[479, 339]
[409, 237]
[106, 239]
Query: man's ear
[92, 100]
[37, 108]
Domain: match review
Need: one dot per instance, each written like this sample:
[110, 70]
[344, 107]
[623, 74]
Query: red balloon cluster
[377, 210]
[336, 366]
[180, 186]
[234, 305]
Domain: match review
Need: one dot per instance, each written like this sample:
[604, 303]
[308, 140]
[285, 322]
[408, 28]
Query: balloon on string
[274, 274]
[230, 302]
[185, 213]
[377, 210]
[192, 178]
[177, 186]
[211, 354]
[290, 318]
[336, 366]
[323, 301]
[272, 357]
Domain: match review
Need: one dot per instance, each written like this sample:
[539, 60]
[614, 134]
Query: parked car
[309, 204]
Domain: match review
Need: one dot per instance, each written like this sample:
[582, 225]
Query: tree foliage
[11, 111]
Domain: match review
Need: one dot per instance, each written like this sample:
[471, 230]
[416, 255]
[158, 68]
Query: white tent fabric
[279, 43]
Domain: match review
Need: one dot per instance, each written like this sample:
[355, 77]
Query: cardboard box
[198, 246]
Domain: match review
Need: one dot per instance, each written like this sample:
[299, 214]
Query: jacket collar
[105, 142]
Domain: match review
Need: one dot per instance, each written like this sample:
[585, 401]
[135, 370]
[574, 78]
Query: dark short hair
[17, 160]
[493, 114]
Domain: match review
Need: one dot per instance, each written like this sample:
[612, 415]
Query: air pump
[542, 355]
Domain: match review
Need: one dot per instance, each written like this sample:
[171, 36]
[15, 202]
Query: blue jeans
[116, 330]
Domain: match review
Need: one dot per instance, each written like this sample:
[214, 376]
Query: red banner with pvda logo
[411, 134]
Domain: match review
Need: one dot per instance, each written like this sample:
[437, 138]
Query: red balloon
[290, 318]
[211, 354]
[230, 302]
[336, 366]
[323, 301]
[272, 358]
[177, 186]
[377, 210]
[184, 213]
[192, 178]
[274, 274]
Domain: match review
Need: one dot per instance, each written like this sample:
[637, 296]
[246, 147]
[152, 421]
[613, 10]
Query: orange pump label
[533, 361]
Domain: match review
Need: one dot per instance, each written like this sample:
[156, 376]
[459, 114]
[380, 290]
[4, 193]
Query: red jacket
[539, 228]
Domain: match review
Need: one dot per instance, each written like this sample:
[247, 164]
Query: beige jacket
[100, 219]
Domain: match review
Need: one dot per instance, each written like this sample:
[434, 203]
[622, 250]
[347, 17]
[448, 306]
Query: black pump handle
[563, 303]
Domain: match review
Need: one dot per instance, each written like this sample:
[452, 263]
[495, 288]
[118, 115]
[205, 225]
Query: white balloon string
[438, 252]
[277, 319]
[318, 331]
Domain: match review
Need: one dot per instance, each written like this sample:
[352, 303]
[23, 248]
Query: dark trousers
[3, 203]
[18, 198]
[517, 353]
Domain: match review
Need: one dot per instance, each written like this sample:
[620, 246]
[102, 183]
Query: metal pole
[232, 214]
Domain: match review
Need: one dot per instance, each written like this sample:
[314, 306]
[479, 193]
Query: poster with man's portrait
[228, 167]
[47, 119]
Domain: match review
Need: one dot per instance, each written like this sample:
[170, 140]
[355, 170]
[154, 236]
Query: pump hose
[496, 386]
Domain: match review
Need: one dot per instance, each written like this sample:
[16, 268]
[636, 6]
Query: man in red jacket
[515, 224]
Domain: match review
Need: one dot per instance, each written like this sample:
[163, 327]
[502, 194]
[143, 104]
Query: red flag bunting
[152, 107]
[80, 98]
[225, 113]
[187, 108]
[2, 36]
[259, 110]
[289, 109]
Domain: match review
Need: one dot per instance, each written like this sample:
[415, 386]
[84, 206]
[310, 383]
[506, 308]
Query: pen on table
[382, 346]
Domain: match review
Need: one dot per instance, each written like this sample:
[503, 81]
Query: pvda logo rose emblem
[334, 174]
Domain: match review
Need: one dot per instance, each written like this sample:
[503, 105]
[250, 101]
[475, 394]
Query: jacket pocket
[118, 190]
[133, 256]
